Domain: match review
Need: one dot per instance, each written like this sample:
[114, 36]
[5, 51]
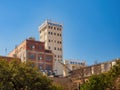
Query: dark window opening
[32, 56]
[48, 58]
[40, 57]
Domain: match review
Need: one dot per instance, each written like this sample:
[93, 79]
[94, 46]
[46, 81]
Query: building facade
[71, 65]
[34, 51]
[51, 34]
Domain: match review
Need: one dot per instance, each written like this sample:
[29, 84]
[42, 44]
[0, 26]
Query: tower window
[49, 40]
[54, 28]
[51, 33]
[54, 33]
[49, 27]
[49, 47]
[58, 34]
[60, 42]
[60, 49]
[48, 32]
[54, 48]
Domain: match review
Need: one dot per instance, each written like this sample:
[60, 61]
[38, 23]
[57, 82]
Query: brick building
[8, 58]
[34, 51]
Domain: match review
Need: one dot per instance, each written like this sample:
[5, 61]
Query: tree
[96, 82]
[15, 75]
[104, 80]
[114, 75]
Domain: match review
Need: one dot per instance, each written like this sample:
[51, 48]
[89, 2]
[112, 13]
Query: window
[58, 34]
[70, 62]
[51, 33]
[48, 67]
[49, 27]
[49, 40]
[54, 28]
[48, 32]
[57, 28]
[40, 66]
[54, 48]
[32, 46]
[54, 33]
[40, 47]
[60, 56]
[40, 57]
[49, 47]
[58, 48]
[32, 56]
[48, 58]
[60, 42]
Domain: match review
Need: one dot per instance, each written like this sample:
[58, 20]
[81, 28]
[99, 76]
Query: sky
[91, 28]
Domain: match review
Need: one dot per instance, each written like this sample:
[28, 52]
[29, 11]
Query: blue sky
[91, 27]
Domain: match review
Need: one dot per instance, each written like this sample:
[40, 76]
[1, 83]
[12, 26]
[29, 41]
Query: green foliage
[57, 87]
[15, 75]
[115, 71]
[103, 81]
[96, 82]
[114, 74]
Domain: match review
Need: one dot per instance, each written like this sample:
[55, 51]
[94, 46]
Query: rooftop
[49, 22]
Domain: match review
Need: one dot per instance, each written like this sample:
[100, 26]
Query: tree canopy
[15, 75]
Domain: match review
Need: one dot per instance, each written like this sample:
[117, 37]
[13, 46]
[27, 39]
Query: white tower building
[51, 34]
